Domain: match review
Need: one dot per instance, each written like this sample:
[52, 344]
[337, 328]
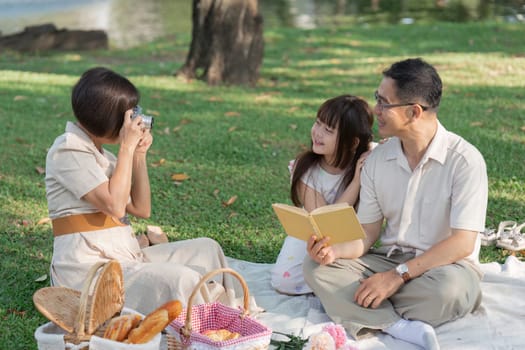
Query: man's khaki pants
[440, 295]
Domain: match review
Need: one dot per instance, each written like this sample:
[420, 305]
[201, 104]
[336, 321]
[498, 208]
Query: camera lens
[147, 121]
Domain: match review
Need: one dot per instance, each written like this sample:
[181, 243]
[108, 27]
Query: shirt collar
[74, 129]
[436, 150]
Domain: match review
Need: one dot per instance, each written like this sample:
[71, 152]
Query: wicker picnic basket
[185, 332]
[78, 318]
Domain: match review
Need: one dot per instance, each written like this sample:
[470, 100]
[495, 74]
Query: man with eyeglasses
[423, 201]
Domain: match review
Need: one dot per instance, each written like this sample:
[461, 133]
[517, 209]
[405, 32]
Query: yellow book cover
[338, 221]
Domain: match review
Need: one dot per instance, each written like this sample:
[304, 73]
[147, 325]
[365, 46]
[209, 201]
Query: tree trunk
[227, 42]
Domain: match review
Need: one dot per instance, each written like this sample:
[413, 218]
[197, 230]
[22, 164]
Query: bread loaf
[155, 322]
[174, 308]
[220, 334]
[119, 327]
[149, 327]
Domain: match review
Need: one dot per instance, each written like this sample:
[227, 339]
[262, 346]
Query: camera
[147, 120]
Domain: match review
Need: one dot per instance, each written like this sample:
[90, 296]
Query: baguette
[174, 308]
[119, 327]
[155, 322]
[149, 327]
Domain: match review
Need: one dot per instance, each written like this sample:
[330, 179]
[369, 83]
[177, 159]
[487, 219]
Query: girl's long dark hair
[353, 119]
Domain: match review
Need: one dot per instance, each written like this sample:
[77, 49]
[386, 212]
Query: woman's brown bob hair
[100, 99]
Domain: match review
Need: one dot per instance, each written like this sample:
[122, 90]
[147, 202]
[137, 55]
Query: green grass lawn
[234, 141]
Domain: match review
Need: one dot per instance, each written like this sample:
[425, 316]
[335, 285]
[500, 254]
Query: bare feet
[143, 241]
[156, 235]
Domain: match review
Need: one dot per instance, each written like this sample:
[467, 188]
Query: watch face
[401, 269]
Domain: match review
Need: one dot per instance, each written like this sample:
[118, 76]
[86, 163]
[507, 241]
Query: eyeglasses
[382, 106]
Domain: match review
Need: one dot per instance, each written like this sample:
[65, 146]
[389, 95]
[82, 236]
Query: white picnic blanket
[498, 324]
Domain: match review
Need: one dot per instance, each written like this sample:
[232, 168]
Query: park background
[220, 154]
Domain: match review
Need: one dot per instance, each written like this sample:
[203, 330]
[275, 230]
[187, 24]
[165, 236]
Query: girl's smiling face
[324, 140]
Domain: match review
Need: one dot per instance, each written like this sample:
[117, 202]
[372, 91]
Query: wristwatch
[402, 270]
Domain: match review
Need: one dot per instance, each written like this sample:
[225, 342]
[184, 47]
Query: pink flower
[320, 341]
[338, 334]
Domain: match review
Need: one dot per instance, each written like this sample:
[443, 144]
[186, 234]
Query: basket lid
[108, 296]
[82, 313]
[59, 305]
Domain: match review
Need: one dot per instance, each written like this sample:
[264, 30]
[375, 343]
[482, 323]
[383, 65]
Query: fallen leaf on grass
[230, 201]
[43, 221]
[177, 128]
[523, 128]
[166, 131]
[74, 57]
[232, 128]
[21, 141]
[232, 214]
[293, 126]
[40, 170]
[159, 163]
[16, 312]
[476, 124]
[41, 278]
[179, 177]
[152, 112]
[216, 192]
[309, 49]
[215, 99]
[263, 97]
[20, 98]
[232, 114]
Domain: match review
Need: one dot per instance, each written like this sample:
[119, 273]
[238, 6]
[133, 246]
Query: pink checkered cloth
[219, 316]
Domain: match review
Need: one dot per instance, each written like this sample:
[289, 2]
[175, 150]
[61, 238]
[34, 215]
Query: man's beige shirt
[448, 189]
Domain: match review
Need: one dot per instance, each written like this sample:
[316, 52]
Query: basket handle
[80, 328]
[186, 330]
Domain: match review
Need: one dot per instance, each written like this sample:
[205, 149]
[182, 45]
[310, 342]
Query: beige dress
[152, 275]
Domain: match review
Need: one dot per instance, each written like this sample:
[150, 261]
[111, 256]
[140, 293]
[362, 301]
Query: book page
[340, 223]
[329, 207]
[295, 221]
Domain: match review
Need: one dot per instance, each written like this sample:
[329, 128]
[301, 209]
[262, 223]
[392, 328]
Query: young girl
[90, 192]
[327, 173]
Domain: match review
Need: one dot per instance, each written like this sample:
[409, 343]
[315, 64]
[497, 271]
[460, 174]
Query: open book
[338, 221]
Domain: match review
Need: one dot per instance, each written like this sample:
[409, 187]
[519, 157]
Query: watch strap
[406, 277]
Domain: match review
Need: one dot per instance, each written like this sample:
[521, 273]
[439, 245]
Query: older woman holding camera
[90, 192]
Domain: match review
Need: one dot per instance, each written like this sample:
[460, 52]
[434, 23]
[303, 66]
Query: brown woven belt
[83, 223]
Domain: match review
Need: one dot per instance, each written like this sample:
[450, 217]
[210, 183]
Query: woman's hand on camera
[131, 132]
[145, 142]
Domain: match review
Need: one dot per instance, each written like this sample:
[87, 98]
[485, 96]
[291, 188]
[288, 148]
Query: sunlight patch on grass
[24, 77]
[480, 69]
